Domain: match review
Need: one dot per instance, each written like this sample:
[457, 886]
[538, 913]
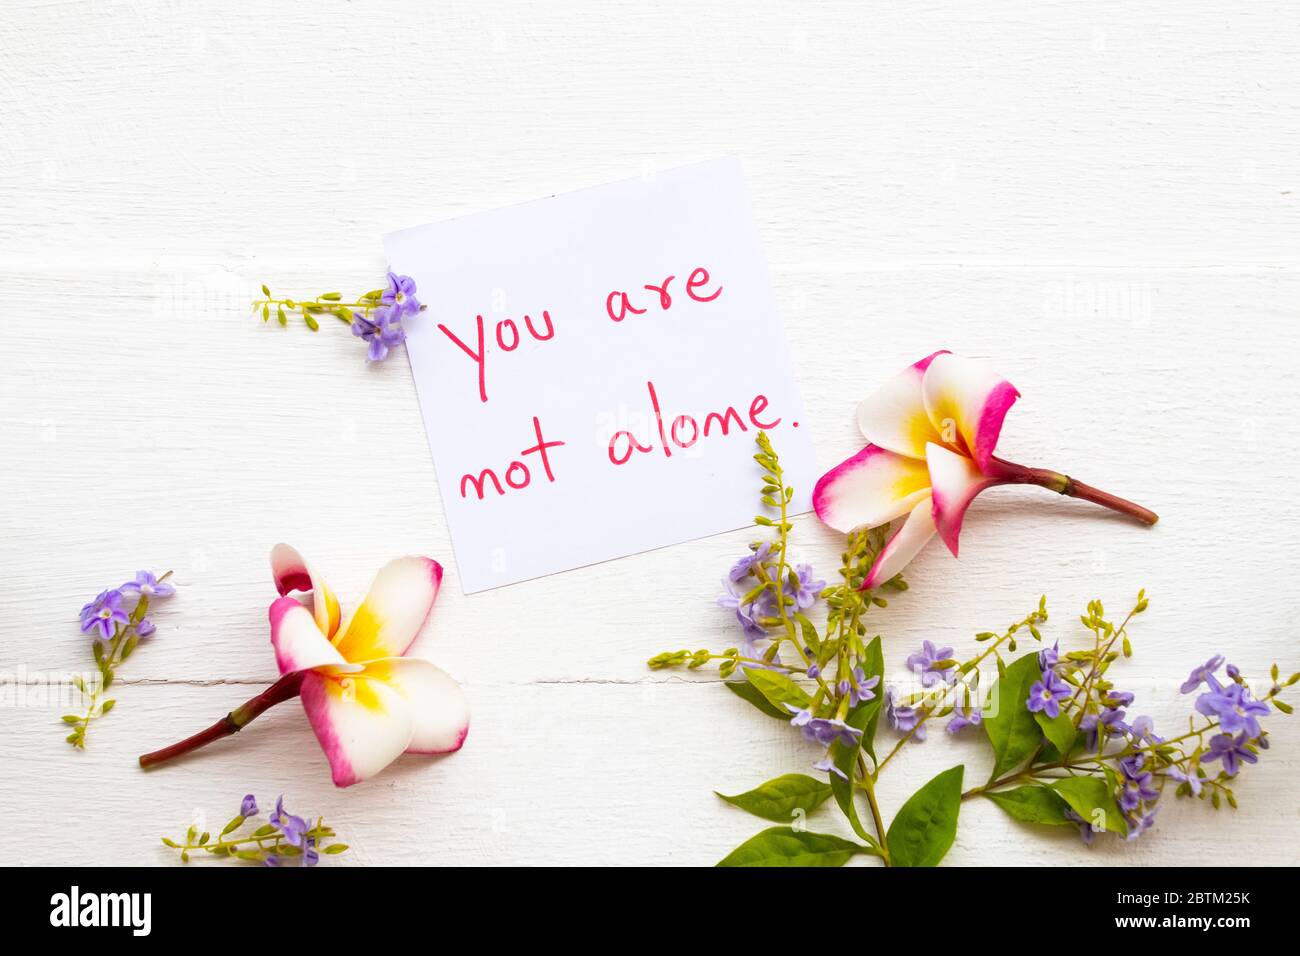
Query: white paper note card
[593, 369]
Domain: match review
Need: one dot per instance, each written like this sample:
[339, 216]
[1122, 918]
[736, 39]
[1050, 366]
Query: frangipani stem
[286, 688]
[1011, 473]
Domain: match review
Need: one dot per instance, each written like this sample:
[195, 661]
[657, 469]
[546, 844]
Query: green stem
[286, 688]
[927, 711]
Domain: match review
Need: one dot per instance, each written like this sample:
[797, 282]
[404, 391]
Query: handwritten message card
[593, 369]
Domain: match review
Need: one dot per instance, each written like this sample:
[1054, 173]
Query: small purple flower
[1118, 698]
[824, 730]
[144, 627]
[1191, 778]
[1046, 695]
[814, 669]
[922, 663]
[1137, 785]
[1144, 729]
[382, 330]
[293, 829]
[902, 717]
[400, 295]
[964, 716]
[1233, 672]
[1199, 674]
[147, 585]
[825, 766]
[1140, 824]
[1048, 657]
[861, 688]
[1231, 750]
[744, 612]
[806, 590]
[1086, 832]
[1098, 727]
[745, 566]
[104, 614]
[1234, 706]
[248, 806]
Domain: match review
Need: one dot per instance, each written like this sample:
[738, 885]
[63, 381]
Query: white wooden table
[1097, 198]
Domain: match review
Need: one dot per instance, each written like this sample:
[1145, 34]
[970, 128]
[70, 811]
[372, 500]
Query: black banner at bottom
[340, 903]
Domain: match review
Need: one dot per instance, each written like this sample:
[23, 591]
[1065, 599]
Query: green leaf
[843, 789]
[873, 665]
[784, 846]
[863, 717]
[234, 824]
[105, 707]
[335, 848]
[71, 719]
[925, 827]
[778, 689]
[311, 322]
[1059, 730]
[1011, 728]
[1086, 796]
[747, 691]
[1032, 804]
[778, 799]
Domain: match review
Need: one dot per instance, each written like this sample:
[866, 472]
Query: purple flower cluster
[382, 327]
[803, 592]
[108, 613]
[295, 831]
[1236, 743]
[1236, 710]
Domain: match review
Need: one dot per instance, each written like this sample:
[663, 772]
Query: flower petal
[967, 403]
[362, 724]
[395, 608]
[292, 573]
[873, 487]
[903, 546]
[297, 640]
[439, 709]
[956, 480]
[894, 416]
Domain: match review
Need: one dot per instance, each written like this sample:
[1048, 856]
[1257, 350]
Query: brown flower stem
[1011, 473]
[286, 688]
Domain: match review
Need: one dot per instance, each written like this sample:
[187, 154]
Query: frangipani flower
[933, 430]
[366, 701]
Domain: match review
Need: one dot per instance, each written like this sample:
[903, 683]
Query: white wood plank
[1095, 197]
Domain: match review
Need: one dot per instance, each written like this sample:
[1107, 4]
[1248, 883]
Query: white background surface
[1099, 198]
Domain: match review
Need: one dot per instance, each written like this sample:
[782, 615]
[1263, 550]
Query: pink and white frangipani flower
[933, 430]
[366, 701]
